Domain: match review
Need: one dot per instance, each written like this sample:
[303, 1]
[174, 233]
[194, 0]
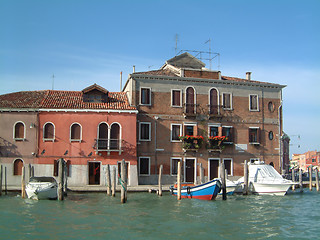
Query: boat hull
[206, 191]
[271, 189]
[42, 191]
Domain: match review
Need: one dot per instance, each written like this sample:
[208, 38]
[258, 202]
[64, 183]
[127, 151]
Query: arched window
[102, 142]
[115, 136]
[213, 101]
[48, 131]
[17, 167]
[75, 132]
[190, 100]
[19, 131]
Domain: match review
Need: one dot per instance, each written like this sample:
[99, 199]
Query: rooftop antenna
[176, 48]
[53, 81]
[210, 60]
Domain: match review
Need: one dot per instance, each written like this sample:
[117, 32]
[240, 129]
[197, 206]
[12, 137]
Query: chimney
[248, 75]
[134, 68]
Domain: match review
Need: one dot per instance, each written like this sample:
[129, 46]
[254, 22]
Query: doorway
[189, 169]
[214, 168]
[94, 173]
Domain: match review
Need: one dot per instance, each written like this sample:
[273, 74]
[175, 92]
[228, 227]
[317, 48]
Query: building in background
[191, 114]
[88, 129]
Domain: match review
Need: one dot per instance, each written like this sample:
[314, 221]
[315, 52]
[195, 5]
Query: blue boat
[206, 191]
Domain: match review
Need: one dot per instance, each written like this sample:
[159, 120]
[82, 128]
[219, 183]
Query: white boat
[265, 180]
[42, 188]
[231, 186]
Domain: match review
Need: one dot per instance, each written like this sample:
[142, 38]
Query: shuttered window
[48, 131]
[176, 98]
[227, 101]
[253, 103]
[144, 166]
[254, 135]
[145, 96]
[75, 134]
[19, 131]
[17, 167]
[145, 131]
[175, 132]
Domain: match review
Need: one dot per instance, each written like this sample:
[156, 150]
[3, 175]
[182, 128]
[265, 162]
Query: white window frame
[255, 143]
[148, 167]
[145, 140]
[214, 159]
[229, 142]
[76, 140]
[194, 166]
[253, 110]
[171, 164]
[190, 124]
[140, 96]
[54, 133]
[24, 131]
[213, 125]
[180, 134]
[231, 97]
[229, 174]
[218, 98]
[180, 90]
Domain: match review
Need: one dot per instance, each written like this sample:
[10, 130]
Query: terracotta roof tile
[53, 99]
[161, 72]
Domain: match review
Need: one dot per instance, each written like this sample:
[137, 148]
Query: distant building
[285, 153]
[89, 129]
[305, 160]
[197, 116]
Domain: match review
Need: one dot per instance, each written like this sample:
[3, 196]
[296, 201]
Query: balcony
[216, 144]
[191, 143]
[190, 109]
[214, 111]
[108, 145]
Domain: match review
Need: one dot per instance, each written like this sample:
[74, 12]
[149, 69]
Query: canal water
[148, 216]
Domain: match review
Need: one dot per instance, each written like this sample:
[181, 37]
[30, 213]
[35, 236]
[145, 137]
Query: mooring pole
[246, 178]
[293, 178]
[5, 181]
[23, 182]
[223, 181]
[310, 178]
[60, 177]
[201, 173]
[123, 182]
[159, 180]
[317, 179]
[300, 180]
[179, 181]
[108, 180]
[114, 182]
[1, 179]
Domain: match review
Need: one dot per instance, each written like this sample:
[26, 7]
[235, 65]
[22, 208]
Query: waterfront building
[305, 160]
[88, 129]
[198, 116]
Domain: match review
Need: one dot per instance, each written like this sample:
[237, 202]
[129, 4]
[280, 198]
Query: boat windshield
[42, 179]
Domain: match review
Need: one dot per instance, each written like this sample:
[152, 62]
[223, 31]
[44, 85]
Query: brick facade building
[191, 114]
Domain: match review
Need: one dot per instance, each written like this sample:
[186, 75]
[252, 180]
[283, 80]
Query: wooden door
[214, 169]
[189, 170]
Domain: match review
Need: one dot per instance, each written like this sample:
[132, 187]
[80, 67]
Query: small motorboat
[231, 186]
[265, 180]
[206, 191]
[42, 188]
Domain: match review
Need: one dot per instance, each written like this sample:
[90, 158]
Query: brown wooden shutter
[55, 168]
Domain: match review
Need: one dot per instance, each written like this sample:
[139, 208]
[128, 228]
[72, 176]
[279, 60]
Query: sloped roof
[55, 99]
[186, 60]
[95, 87]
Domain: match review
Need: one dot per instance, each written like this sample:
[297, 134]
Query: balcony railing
[214, 110]
[191, 143]
[108, 145]
[190, 109]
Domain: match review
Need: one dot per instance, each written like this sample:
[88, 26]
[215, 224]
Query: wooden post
[65, 178]
[179, 181]
[5, 181]
[1, 180]
[23, 182]
[159, 181]
[123, 181]
[201, 173]
[300, 180]
[223, 181]
[310, 178]
[60, 180]
[293, 178]
[114, 182]
[108, 180]
[317, 179]
[246, 178]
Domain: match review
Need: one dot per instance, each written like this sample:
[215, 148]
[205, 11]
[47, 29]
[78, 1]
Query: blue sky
[86, 42]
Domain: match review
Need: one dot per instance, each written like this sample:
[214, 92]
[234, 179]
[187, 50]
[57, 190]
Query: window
[189, 129]
[145, 131]
[17, 167]
[48, 131]
[174, 165]
[75, 132]
[213, 101]
[176, 98]
[144, 165]
[190, 100]
[19, 131]
[254, 135]
[115, 136]
[227, 101]
[145, 96]
[228, 133]
[175, 132]
[271, 106]
[253, 102]
[213, 131]
[102, 142]
[270, 135]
